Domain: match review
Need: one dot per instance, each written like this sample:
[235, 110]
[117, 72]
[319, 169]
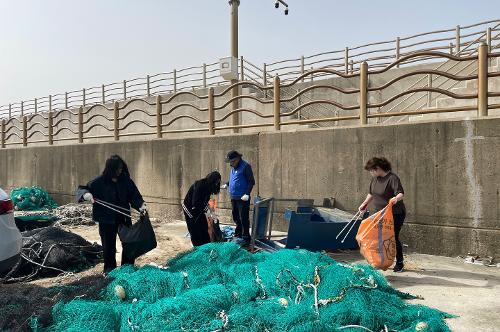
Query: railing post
[482, 79]
[50, 103]
[80, 124]
[103, 92]
[51, 128]
[83, 97]
[302, 67]
[175, 80]
[211, 112]
[488, 39]
[36, 105]
[264, 73]
[124, 90]
[363, 94]
[204, 75]
[264, 78]
[398, 53]
[116, 123]
[276, 104]
[312, 78]
[65, 100]
[159, 126]
[10, 111]
[25, 131]
[242, 74]
[351, 66]
[22, 108]
[346, 60]
[451, 48]
[2, 134]
[148, 86]
[457, 39]
[429, 93]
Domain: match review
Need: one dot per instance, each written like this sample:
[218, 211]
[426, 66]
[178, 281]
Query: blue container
[317, 229]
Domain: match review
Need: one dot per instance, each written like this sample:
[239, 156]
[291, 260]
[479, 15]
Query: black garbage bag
[138, 238]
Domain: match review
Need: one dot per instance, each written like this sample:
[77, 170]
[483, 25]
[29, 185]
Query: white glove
[88, 197]
[245, 198]
[144, 208]
[224, 186]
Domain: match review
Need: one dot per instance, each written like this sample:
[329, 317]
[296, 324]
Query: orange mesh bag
[376, 238]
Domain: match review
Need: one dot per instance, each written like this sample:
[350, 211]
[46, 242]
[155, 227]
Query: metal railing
[213, 109]
[458, 40]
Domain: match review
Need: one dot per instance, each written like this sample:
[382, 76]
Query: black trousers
[108, 234]
[241, 212]
[198, 229]
[398, 224]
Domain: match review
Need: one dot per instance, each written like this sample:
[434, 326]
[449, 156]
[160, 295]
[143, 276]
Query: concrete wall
[449, 170]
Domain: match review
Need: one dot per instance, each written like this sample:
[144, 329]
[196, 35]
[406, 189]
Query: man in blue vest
[241, 182]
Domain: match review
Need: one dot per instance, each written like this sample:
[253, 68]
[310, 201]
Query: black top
[197, 197]
[383, 189]
[123, 193]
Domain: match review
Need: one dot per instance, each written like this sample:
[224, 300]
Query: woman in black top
[195, 204]
[384, 187]
[116, 187]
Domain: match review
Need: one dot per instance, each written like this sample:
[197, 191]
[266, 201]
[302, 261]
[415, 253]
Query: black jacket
[196, 200]
[123, 193]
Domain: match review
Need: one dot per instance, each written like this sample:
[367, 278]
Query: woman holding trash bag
[116, 188]
[196, 203]
[384, 187]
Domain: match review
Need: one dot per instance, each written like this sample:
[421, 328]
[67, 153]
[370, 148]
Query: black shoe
[398, 267]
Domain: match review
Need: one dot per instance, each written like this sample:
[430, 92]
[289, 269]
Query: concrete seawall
[450, 171]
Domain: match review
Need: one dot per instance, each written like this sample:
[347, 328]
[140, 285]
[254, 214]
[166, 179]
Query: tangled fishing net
[51, 251]
[220, 287]
[31, 199]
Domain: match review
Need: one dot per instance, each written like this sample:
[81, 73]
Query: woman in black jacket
[195, 204]
[116, 187]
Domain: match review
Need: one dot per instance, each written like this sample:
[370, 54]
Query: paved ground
[471, 292]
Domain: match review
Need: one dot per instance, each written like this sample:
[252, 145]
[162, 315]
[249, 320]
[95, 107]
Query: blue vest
[238, 183]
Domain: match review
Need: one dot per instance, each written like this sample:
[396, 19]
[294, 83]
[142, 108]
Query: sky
[52, 46]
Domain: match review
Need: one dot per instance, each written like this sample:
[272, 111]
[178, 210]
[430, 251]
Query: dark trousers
[198, 229]
[108, 234]
[398, 224]
[241, 211]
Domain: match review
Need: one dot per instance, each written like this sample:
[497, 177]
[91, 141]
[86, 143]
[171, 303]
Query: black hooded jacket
[196, 200]
[123, 193]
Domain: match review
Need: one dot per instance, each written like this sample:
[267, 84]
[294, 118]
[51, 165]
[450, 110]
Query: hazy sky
[52, 46]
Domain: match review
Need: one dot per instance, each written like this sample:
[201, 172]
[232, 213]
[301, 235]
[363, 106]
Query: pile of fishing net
[31, 199]
[220, 287]
[52, 251]
[74, 215]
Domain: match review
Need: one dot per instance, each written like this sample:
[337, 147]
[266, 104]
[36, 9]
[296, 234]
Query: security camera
[286, 11]
[276, 4]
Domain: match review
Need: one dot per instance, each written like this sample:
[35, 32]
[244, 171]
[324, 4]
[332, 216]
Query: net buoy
[120, 292]
[283, 302]
[422, 326]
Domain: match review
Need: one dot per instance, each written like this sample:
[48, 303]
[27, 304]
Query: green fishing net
[31, 199]
[220, 287]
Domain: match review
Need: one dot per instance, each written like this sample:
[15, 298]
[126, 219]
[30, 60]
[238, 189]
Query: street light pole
[234, 53]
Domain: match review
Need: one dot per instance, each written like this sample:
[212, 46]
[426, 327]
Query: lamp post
[234, 52]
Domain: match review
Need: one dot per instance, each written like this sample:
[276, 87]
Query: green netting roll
[220, 287]
[31, 199]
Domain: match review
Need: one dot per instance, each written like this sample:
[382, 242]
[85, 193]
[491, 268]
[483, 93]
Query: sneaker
[398, 267]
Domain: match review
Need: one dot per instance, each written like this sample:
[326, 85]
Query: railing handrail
[171, 81]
